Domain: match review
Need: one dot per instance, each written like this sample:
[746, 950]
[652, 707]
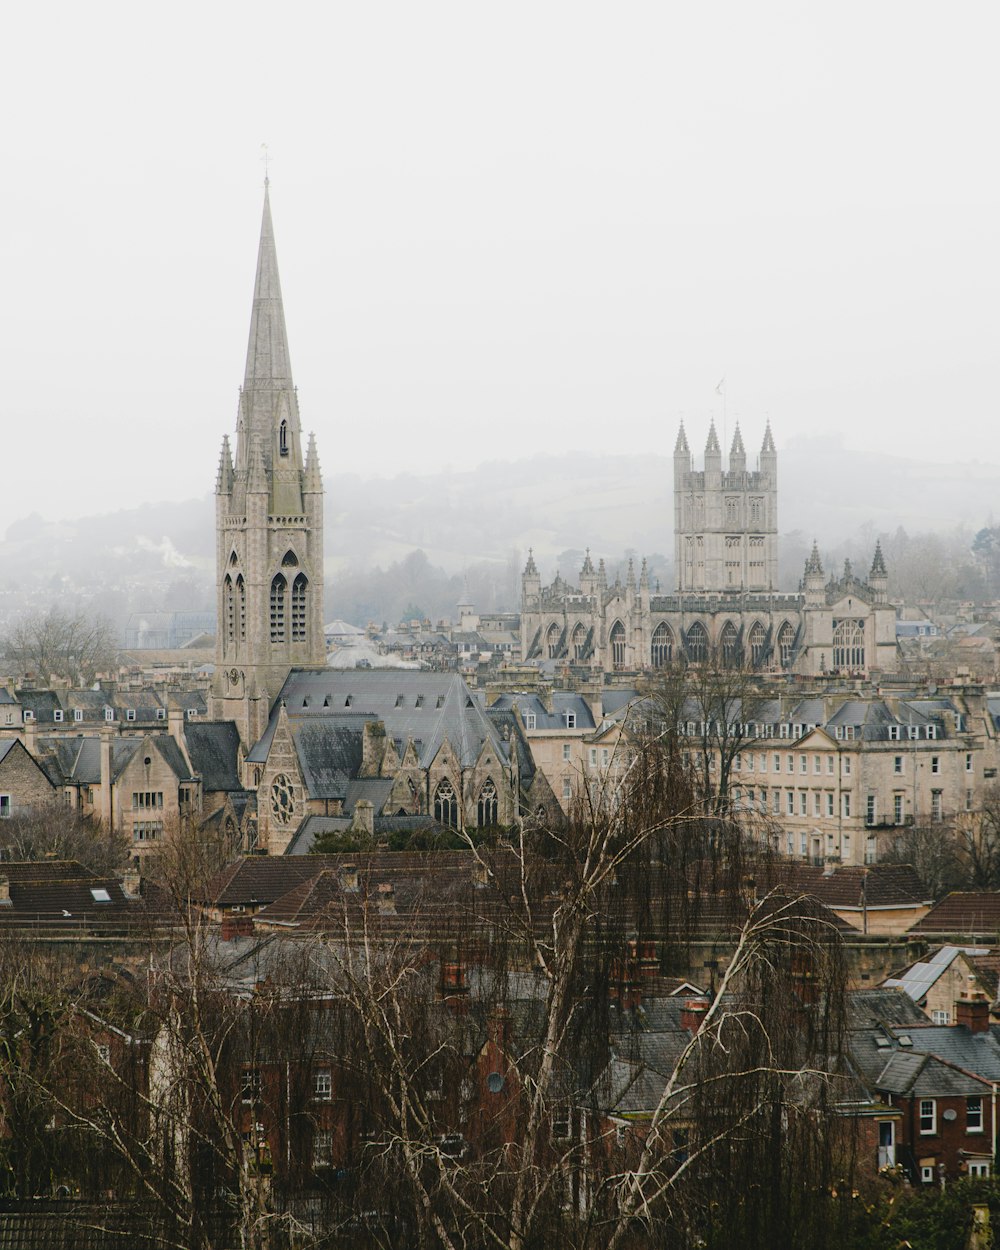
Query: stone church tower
[269, 524]
[725, 521]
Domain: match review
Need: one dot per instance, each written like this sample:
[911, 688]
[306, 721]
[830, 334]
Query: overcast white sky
[501, 228]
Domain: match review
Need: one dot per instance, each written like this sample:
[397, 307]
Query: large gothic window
[618, 645]
[730, 641]
[786, 640]
[283, 438]
[849, 644]
[229, 609]
[697, 643]
[241, 607]
[487, 805]
[279, 593]
[663, 646]
[299, 608]
[758, 640]
[446, 804]
[579, 642]
[552, 640]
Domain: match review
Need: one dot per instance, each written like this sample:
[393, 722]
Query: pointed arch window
[289, 560]
[697, 643]
[849, 644]
[229, 609]
[579, 642]
[299, 588]
[446, 804]
[279, 594]
[618, 645]
[241, 608]
[486, 809]
[662, 651]
[786, 640]
[552, 640]
[758, 641]
[730, 641]
[283, 438]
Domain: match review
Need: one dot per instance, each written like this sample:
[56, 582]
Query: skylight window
[101, 895]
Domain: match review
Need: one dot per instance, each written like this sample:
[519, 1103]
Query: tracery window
[697, 643]
[618, 645]
[849, 644]
[487, 805]
[757, 641]
[579, 642]
[279, 593]
[299, 608]
[283, 438]
[446, 804]
[552, 640]
[730, 646]
[786, 640]
[662, 651]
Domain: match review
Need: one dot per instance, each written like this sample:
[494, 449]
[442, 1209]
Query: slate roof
[963, 913]
[868, 1008]
[563, 703]
[427, 707]
[214, 750]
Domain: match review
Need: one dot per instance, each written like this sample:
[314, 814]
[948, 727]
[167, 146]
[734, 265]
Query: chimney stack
[693, 1012]
[973, 1011]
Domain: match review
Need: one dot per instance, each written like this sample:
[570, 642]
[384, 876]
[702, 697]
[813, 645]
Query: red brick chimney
[973, 1012]
[693, 1011]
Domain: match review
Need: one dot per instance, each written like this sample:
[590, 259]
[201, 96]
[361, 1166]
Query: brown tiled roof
[878, 885]
[963, 914]
[261, 879]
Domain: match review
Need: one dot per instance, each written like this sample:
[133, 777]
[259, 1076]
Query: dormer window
[283, 438]
[78, 713]
[109, 713]
[57, 715]
[529, 720]
[570, 720]
[29, 714]
[161, 713]
[130, 713]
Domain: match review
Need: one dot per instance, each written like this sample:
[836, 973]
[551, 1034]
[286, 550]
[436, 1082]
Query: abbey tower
[269, 523]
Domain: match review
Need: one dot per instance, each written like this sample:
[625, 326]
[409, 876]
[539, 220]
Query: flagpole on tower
[721, 390]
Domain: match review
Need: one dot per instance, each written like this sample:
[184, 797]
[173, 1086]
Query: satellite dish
[950, 1114]
[494, 1082]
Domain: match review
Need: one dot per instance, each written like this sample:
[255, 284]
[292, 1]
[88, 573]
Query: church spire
[267, 351]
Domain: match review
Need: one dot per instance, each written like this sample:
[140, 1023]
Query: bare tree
[71, 646]
[708, 710]
[52, 831]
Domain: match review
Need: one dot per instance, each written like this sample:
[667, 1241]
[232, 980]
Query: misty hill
[479, 524]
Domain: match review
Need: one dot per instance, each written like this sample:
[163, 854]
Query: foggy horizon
[499, 236]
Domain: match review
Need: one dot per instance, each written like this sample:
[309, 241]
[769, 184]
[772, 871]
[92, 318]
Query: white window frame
[57, 715]
[974, 1119]
[927, 1117]
[980, 1168]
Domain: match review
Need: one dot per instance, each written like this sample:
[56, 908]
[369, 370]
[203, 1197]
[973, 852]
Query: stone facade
[269, 524]
[724, 603]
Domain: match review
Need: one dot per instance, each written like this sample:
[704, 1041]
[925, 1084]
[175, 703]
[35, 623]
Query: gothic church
[724, 602]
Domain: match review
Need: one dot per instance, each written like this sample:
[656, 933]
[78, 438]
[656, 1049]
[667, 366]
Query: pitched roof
[214, 750]
[963, 913]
